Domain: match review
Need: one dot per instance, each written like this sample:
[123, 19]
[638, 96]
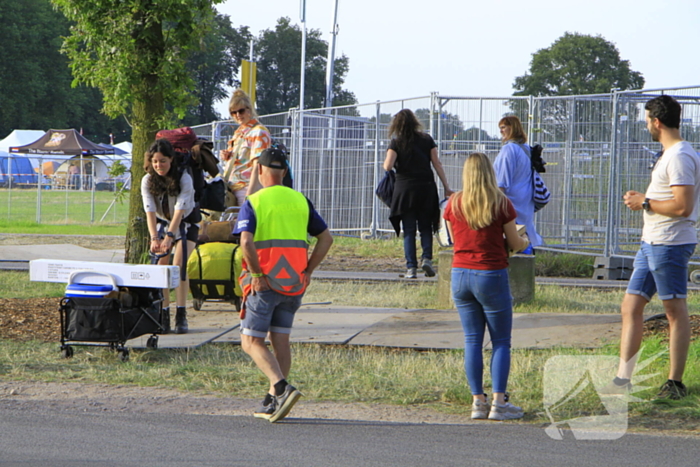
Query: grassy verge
[27, 227]
[62, 207]
[347, 374]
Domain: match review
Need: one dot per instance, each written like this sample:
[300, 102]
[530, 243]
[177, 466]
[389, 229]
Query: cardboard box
[126, 275]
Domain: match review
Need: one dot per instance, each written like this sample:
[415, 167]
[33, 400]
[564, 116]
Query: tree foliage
[35, 78]
[577, 64]
[135, 52]
[279, 66]
[213, 67]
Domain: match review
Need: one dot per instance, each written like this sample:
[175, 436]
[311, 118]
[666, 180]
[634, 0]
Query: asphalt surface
[70, 439]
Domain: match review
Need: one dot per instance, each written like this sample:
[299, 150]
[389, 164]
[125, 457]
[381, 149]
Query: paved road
[41, 437]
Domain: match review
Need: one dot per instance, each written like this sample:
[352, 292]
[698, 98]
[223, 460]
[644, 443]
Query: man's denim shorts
[269, 311]
[663, 268]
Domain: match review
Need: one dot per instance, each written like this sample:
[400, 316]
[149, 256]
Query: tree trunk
[147, 110]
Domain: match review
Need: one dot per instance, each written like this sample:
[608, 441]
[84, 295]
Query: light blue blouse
[514, 176]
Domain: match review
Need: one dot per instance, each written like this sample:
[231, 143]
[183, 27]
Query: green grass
[29, 227]
[60, 207]
[16, 284]
[552, 264]
[389, 295]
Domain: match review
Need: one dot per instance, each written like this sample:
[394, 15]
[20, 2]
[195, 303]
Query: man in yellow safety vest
[274, 224]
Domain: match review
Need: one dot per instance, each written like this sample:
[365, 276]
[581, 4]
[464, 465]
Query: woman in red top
[478, 217]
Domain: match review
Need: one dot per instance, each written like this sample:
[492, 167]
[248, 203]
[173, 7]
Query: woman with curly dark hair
[168, 199]
[415, 200]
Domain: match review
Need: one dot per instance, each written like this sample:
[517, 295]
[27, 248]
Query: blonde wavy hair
[480, 201]
[240, 99]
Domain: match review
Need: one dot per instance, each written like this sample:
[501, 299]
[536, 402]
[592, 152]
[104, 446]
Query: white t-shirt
[679, 165]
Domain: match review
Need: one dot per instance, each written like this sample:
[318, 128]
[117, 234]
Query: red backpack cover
[182, 139]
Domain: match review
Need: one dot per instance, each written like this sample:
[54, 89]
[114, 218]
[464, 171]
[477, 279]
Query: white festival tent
[20, 138]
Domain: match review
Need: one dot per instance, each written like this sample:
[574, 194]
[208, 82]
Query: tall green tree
[279, 65]
[35, 78]
[214, 66]
[577, 64]
[135, 52]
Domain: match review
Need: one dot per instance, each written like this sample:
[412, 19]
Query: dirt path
[130, 399]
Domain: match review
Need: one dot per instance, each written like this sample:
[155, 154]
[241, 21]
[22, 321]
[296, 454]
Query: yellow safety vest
[281, 239]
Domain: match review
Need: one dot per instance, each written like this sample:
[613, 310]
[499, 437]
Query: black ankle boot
[181, 320]
[165, 320]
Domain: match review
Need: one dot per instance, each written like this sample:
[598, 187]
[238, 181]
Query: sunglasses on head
[239, 111]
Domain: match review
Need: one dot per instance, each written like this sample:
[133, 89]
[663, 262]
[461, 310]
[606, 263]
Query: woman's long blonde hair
[480, 200]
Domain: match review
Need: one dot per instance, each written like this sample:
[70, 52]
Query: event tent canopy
[117, 150]
[62, 142]
[20, 138]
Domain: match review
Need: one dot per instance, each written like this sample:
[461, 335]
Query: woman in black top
[415, 200]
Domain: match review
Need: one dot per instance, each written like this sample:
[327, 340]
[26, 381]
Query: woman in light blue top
[514, 174]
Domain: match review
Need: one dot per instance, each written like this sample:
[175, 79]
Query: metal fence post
[431, 123]
[39, 185]
[569, 163]
[613, 208]
[530, 117]
[375, 200]
[299, 175]
[333, 168]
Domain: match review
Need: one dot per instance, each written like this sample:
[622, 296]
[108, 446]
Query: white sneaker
[480, 410]
[411, 273]
[505, 411]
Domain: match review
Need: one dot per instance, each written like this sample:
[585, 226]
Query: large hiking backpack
[196, 156]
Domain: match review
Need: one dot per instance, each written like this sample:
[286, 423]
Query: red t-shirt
[483, 249]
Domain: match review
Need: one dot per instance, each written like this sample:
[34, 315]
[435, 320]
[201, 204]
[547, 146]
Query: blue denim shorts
[662, 268]
[269, 311]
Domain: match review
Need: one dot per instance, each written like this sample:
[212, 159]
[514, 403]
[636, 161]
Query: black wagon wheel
[123, 354]
[197, 303]
[66, 351]
[152, 343]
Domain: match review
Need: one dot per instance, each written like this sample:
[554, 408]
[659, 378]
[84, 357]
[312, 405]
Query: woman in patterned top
[248, 142]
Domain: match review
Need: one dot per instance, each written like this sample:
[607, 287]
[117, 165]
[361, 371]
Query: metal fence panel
[597, 147]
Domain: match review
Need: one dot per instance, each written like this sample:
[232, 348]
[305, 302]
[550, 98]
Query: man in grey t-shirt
[670, 207]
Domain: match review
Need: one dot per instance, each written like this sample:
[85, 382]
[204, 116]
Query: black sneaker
[266, 409]
[285, 402]
[427, 267]
[672, 390]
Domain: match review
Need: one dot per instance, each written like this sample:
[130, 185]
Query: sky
[407, 48]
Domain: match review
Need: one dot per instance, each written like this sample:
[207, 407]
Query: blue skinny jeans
[483, 300]
[409, 221]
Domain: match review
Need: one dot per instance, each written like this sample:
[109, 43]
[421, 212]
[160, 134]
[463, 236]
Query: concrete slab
[434, 329]
[546, 330]
[204, 327]
[418, 329]
[22, 253]
[218, 322]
